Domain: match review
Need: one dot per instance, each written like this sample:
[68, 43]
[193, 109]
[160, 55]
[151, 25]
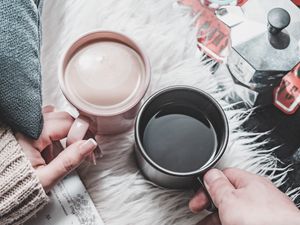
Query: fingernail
[88, 146]
[211, 176]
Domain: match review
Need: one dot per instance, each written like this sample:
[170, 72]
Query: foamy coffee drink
[105, 74]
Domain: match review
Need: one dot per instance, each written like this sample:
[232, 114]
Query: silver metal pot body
[264, 49]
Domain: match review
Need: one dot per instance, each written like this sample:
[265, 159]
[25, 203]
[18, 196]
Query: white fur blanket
[164, 29]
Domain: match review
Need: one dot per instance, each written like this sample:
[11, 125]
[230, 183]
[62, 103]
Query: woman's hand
[243, 198]
[41, 153]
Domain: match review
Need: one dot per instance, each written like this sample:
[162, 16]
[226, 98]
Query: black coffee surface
[180, 139]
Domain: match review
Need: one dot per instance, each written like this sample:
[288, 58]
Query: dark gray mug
[185, 96]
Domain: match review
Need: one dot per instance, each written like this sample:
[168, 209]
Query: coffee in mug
[180, 133]
[104, 74]
[180, 138]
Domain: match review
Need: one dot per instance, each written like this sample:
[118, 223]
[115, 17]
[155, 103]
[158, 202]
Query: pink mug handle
[78, 130]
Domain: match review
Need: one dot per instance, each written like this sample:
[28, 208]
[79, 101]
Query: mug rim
[134, 45]
[206, 166]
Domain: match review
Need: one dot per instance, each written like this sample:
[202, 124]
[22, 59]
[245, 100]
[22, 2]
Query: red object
[297, 2]
[287, 95]
[224, 2]
[213, 34]
[242, 2]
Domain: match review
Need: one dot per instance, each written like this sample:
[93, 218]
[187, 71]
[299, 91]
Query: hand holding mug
[41, 153]
[243, 198]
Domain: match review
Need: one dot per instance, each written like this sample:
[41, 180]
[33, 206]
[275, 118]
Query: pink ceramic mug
[103, 119]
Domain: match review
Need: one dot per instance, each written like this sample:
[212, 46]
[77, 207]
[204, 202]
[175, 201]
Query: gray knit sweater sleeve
[21, 194]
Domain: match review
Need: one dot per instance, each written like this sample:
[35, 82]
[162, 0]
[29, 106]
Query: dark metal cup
[185, 96]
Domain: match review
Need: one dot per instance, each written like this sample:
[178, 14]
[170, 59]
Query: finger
[199, 202]
[80, 130]
[218, 186]
[212, 219]
[48, 108]
[65, 162]
[61, 115]
[56, 127]
[238, 178]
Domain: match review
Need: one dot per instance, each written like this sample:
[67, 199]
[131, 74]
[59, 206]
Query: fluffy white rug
[164, 29]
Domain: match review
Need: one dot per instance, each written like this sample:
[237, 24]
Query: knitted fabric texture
[21, 194]
[20, 72]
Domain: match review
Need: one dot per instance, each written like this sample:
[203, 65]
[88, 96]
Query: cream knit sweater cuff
[21, 194]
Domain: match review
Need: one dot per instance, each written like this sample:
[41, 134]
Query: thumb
[65, 162]
[218, 186]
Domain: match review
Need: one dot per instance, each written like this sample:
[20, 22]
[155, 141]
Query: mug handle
[200, 184]
[80, 130]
